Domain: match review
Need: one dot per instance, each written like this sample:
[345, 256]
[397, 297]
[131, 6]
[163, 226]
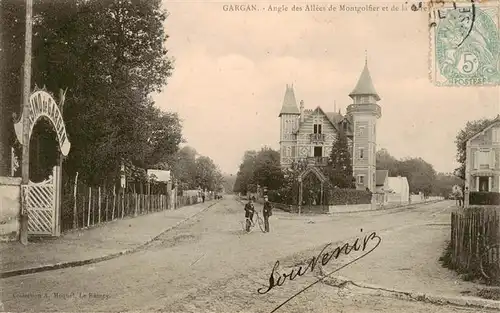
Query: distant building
[482, 166]
[382, 181]
[308, 135]
[398, 190]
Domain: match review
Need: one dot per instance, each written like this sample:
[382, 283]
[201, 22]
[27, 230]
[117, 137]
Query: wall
[396, 198]
[351, 208]
[417, 198]
[10, 207]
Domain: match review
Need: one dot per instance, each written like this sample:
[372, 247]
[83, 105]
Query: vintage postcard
[249, 157]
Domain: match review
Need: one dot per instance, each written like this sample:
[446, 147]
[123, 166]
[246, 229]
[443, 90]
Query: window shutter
[492, 158]
[476, 161]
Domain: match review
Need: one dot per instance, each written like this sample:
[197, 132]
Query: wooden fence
[475, 242]
[84, 206]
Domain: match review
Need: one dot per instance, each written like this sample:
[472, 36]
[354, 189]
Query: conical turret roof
[289, 102]
[365, 85]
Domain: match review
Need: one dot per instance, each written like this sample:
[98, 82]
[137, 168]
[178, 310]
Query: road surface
[211, 265]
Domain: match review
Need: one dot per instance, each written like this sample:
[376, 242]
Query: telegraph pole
[26, 127]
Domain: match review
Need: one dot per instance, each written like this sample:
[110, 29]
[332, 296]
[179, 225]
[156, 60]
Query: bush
[484, 198]
[347, 196]
[283, 195]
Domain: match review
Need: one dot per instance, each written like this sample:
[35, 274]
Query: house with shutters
[482, 167]
[308, 134]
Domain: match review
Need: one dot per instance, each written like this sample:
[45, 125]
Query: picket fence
[85, 206]
[475, 242]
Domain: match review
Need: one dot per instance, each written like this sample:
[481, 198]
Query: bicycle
[260, 222]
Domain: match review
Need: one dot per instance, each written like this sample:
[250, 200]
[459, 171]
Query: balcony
[315, 161]
[317, 137]
[484, 166]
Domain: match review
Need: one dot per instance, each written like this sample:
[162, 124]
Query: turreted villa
[308, 134]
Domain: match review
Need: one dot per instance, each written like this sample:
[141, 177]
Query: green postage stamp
[465, 43]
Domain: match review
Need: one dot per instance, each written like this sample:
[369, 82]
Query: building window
[318, 152]
[496, 135]
[482, 159]
[361, 179]
[317, 128]
[361, 130]
[361, 153]
[365, 99]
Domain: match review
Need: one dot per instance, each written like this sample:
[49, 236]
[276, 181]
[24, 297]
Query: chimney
[301, 111]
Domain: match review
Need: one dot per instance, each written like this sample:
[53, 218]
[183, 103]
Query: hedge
[347, 196]
[484, 198]
[331, 196]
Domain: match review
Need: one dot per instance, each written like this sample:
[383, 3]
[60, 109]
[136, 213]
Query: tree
[183, 166]
[110, 56]
[12, 27]
[420, 174]
[229, 182]
[385, 161]
[245, 180]
[267, 171]
[339, 168]
[444, 184]
[208, 175]
[470, 129]
[165, 135]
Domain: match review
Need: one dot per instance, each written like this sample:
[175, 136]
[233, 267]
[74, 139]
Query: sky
[231, 71]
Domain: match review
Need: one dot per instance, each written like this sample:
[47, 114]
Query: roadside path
[105, 241]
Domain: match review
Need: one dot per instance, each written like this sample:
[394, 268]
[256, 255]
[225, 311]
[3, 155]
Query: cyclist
[249, 212]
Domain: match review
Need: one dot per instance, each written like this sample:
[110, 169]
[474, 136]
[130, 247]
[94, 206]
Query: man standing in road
[266, 212]
[249, 211]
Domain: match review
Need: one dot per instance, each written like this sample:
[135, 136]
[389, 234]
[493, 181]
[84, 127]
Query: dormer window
[317, 128]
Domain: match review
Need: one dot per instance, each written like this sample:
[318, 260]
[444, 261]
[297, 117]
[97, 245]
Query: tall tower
[364, 111]
[289, 123]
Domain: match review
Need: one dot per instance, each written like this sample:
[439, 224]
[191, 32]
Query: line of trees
[263, 168]
[110, 56]
[420, 174]
[259, 168]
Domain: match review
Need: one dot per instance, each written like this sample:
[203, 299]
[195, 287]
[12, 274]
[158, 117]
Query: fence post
[123, 201]
[107, 198]
[90, 201]
[75, 212]
[99, 220]
[114, 200]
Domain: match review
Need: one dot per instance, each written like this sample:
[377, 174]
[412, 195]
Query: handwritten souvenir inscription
[466, 44]
[366, 245]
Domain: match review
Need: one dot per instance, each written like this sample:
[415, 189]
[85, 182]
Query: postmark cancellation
[465, 43]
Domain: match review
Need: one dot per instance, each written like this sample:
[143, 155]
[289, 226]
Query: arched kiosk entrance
[43, 199]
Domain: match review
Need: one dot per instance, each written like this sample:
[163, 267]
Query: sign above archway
[42, 104]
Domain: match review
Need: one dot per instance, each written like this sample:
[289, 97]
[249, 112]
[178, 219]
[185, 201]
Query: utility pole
[26, 127]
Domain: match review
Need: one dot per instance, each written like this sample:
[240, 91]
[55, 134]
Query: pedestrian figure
[458, 194]
[249, 212]
[203, 196]
[266, 212]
